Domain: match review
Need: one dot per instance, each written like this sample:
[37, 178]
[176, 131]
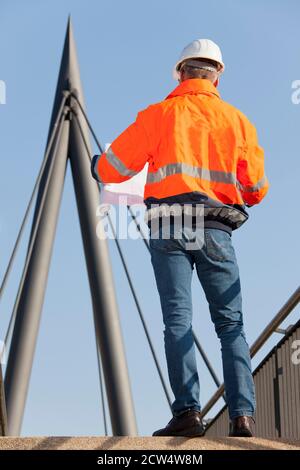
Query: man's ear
[216, 83]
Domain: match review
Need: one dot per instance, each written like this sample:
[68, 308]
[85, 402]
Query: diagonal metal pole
[57, 128]
[34, 230]
[100, 369]
[106, 315]
[33, 283]
[101, 388]
[38, 215]
[36, 185]
[3, 415]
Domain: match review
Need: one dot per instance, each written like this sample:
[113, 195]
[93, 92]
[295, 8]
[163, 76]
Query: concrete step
[145, 443]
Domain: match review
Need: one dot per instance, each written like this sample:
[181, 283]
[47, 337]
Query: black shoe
[241, 427]
[188, 424]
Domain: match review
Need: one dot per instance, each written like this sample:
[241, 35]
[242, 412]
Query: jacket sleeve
[251, 179]
[126, 156]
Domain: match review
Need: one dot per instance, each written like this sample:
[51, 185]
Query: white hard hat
[200, 49]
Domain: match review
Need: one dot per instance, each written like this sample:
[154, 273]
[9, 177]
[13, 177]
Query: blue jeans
[216, 265]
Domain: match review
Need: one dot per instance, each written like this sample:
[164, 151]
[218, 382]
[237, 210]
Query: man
[202, 152]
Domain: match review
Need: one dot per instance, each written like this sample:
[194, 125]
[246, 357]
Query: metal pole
[31, 299]
[3, 415]
[285, 310]
[101, 388]
[106, 316]
[36, 185]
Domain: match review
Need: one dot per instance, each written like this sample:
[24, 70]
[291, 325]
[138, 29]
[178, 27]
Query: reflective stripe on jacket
[195, 143]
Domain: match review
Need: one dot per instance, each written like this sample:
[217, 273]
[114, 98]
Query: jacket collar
[193, 86]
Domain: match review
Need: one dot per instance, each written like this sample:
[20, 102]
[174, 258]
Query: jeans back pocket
[218, 246]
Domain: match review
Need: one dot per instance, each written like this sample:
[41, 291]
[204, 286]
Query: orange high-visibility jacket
[196, 145]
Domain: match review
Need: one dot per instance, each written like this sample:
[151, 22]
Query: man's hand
[93, 167]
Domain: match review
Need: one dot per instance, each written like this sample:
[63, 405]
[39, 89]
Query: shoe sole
[196, 431]
[241, 434]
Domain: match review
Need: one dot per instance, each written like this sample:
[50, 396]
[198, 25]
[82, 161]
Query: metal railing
[277, 383]
[283, 313]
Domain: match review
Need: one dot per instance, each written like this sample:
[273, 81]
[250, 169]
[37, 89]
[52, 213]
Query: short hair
[200, 68]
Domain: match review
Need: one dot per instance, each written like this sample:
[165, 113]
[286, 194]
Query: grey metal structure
[277, 382]
[283, 313]
[68, 143]
[33, 283]
[3, 416]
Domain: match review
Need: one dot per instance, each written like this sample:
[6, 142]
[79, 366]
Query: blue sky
[126, 52]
